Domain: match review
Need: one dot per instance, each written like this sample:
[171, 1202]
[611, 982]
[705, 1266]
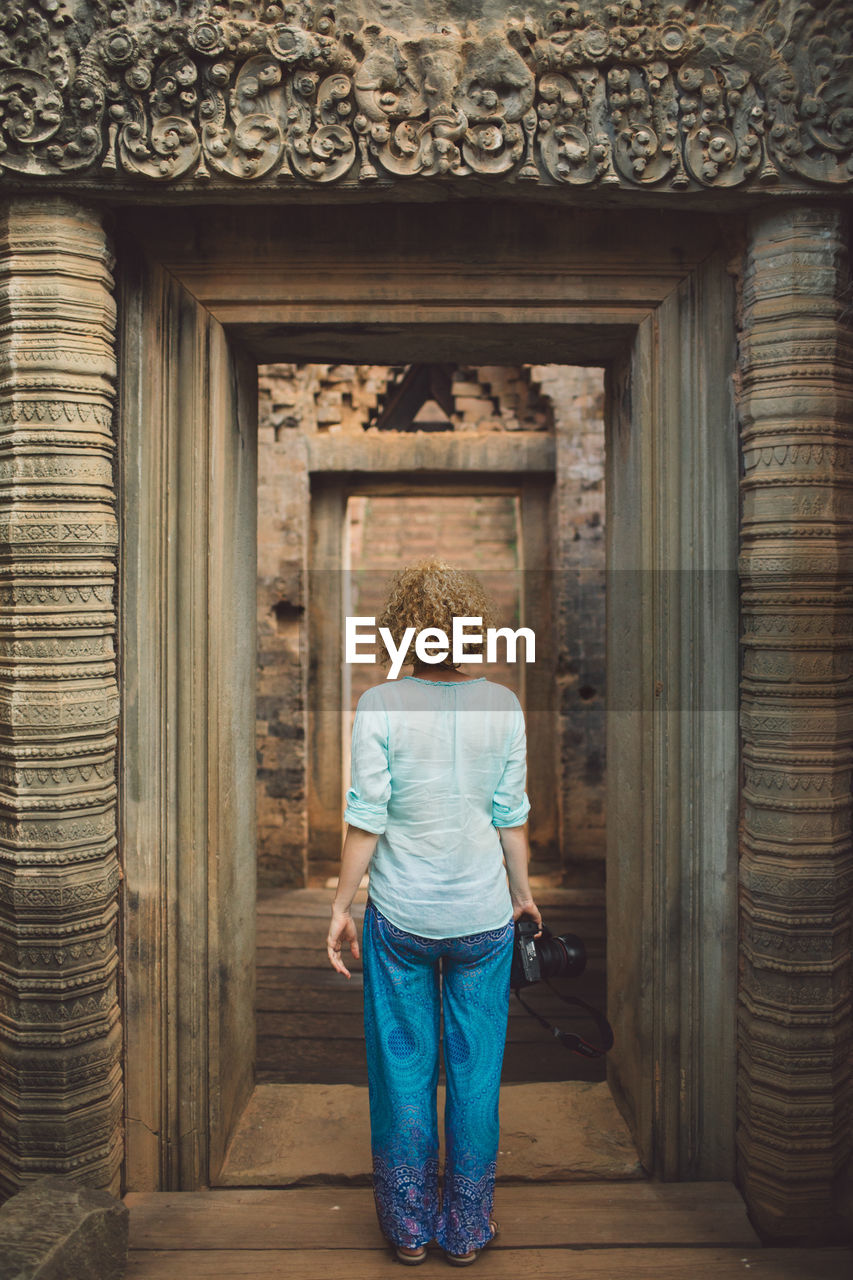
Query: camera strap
[569, 1039]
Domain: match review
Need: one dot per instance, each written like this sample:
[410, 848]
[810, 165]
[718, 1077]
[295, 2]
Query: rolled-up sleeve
[510, 805]
[370, 775]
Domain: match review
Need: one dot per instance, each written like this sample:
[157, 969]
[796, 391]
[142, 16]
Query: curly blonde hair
[431, 594]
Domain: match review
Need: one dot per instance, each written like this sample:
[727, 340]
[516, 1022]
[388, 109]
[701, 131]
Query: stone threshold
[304, 1134]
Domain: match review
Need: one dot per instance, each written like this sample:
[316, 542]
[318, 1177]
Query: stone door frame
[677, 1090]
[212, 314]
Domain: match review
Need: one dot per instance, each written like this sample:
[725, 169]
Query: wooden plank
[309, 903]
[339, 1061]
[302, 953]
[350, 1026]
[293, 908]
[566, 901]
[272, 999]
[538, 1264]
[592, 983]
[634, 1213]
[589, 924]
[549, 1062]
[289, 932]
[307, 999]
[345, 1062]
[298, 943]
[315, 904]
[298, 1072]
[309, 1062]
[282, 928]
[311, 1070]
[278, 998]
[300, 977]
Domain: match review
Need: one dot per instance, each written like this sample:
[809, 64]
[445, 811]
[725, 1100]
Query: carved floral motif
[637, 93]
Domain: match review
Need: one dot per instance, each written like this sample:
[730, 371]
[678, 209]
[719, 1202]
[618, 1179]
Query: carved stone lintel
[636, 94]
[796, 870]
[60, 1035]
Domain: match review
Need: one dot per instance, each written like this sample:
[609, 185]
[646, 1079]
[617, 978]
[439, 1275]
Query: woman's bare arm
[355, 859]
[517, 855]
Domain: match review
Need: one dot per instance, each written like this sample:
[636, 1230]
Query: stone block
[470, 406]
[56, 1229]
[290, 1133]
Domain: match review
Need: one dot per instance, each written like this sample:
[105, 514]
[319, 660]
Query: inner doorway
[472, 518]
[207, 303]
[529, 479]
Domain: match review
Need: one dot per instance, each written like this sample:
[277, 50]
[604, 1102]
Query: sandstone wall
[579, 558]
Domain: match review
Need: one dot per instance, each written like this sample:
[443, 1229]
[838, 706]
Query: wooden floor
[309, 1019]
[624, 1231]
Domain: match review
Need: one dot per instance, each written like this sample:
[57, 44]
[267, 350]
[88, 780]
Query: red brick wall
[477, 533]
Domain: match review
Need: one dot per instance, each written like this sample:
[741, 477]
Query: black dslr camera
[551, 956]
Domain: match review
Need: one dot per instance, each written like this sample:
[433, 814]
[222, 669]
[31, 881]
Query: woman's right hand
[525, 906]
[341, 930]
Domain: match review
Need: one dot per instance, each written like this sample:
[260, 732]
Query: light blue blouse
[437, 766]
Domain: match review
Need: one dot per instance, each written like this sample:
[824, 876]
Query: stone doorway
[534, 532]
[201, 313]
[528, 436]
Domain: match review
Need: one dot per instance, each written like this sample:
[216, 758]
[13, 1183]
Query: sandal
[411, 1258]
[468, 1259]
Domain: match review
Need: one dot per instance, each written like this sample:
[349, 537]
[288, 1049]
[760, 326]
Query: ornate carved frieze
[635, 94]
[60, 1036]
[796, 870]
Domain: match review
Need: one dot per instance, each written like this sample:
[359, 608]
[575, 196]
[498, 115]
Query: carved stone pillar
[797, 723]
[60, 1034]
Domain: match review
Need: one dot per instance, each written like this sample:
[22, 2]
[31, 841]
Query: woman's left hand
[341, 930]
[525, 906]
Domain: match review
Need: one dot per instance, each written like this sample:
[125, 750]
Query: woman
[436, 806]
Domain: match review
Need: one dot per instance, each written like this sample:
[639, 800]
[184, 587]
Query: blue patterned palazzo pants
[402, 1007]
